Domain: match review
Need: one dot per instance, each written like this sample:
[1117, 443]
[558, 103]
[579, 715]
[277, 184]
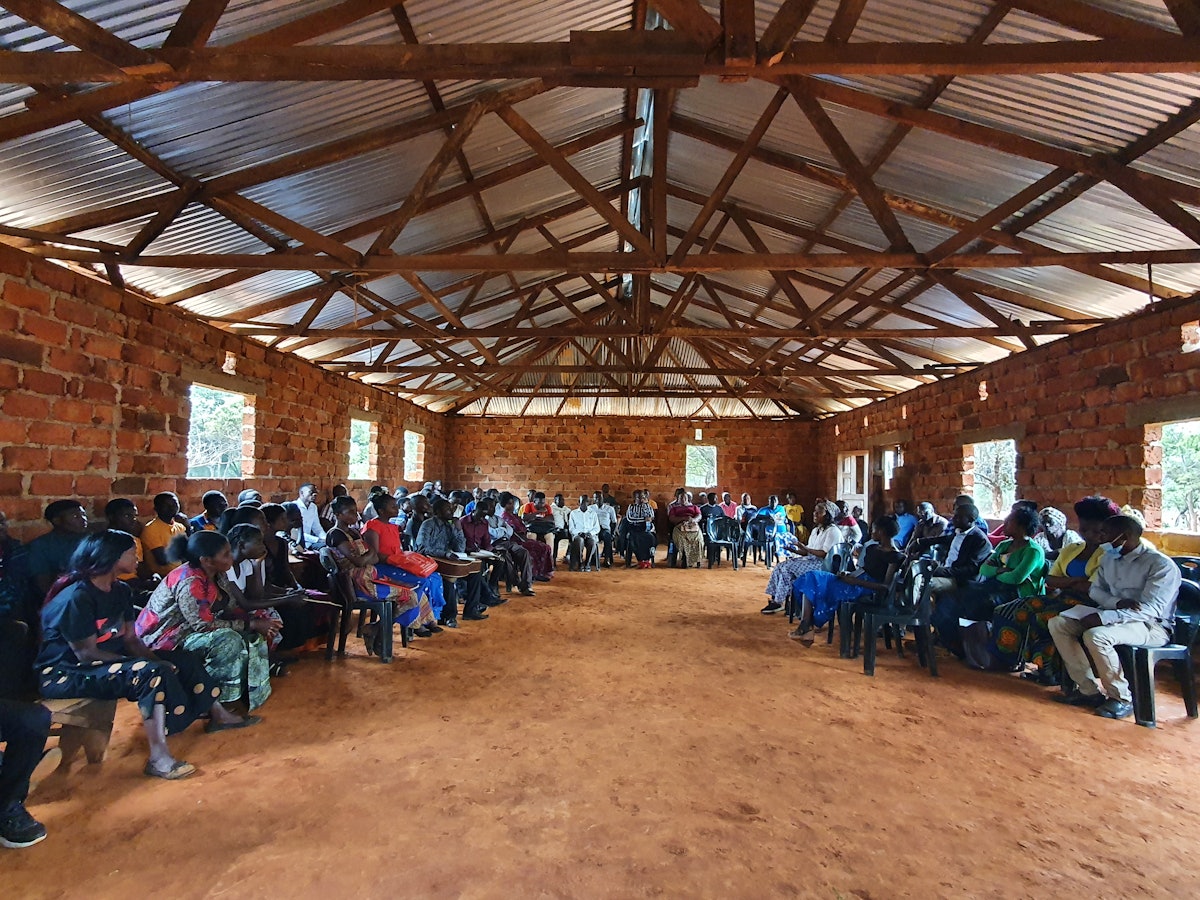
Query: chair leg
[845, 626]
[870, 628]
[1141, 686]
[1187, 681]
[922, 653]
[829, 636]
[387, 620]
[331, 639]
[927, 637]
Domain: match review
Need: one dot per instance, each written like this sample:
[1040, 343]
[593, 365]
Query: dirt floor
[626, 734]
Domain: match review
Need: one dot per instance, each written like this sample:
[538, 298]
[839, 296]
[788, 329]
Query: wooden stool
[82, 723]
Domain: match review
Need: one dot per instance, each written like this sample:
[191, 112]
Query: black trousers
[24, 728]
[185, 695]
[473, 591]
[606, 541]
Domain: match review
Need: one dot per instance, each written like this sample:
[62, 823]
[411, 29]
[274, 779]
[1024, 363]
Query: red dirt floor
[628, 734]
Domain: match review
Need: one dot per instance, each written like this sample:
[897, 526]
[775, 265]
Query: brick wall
[1078, 409]
[94, 404]
[574, 455]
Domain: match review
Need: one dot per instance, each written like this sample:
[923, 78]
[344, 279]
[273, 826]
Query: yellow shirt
[157, 535]
[137, 545]
[795, 513]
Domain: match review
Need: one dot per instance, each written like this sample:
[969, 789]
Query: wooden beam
[631, 263]
[195, 24]
[1090, 19]
[788, 21]
[1186, 14]
[552, 62]
[568, 173]
[844, 21]
[737, 20]
[732, 171]
[570, 330]
[690, 18]
[82, 32]
[429, 178]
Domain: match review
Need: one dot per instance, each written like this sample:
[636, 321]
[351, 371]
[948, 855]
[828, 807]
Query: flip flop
[247, 722]
[179, 769]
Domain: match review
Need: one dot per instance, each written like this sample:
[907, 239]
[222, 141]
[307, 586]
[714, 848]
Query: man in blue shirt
[906, 520]
[441, 536]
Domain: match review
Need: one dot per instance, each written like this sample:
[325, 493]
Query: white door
[852, 480]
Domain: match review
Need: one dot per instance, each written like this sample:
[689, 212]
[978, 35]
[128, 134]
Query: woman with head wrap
[1054, 534]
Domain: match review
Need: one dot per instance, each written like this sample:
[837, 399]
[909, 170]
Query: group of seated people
[1031, 596]
[192, 617]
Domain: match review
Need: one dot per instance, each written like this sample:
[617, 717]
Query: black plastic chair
[910, 608]
[1189, 567]
[381, 611]
[723, 532]
[760, 538]
[1138, 662]
[836, 562]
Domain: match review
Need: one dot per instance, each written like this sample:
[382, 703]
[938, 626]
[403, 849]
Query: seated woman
[539, 554]
[540, 521]
[822, 592]
[850, 526]
[825, 536]
[1054, 534]
[302, 621]
[353, 555]
[90, 649]
[192, 609]
[638, 526]
[383, 537]
[795, 517]
[1020, 632]
[684, 517]
[255, 597]
[1015, 569]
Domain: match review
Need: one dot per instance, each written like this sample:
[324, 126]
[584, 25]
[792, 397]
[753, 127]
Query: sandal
[804, 636]
[179, 769]
[247, 722]
[370, 635]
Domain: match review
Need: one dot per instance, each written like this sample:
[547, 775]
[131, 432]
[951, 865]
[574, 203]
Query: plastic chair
[910, 608]
[1189, 567]
[723, 532]
[383, 611]
[760, 537]
[1138, 662]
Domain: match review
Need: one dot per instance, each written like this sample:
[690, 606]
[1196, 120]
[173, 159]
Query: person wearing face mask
[1132, 599]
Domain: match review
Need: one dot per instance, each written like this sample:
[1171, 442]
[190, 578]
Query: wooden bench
[81, 723]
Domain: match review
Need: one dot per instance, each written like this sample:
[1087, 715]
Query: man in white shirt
[1133, 596]
[560, 511]
[314, 534]
[584, 526]
[607, 517]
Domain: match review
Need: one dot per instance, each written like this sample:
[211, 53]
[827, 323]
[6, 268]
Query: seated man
[440, 535]
[314, 534]
[968, 549]
[607, 517]
[250, 497]
[560, 511]
[929, 523]
[1133, 593]
[49, 556]
[24, 728]
[122, 515]
[214, 504]
[158, 533]
[584, 527]
[906, 520]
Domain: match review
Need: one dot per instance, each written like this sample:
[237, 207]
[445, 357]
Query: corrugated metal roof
[202, 131]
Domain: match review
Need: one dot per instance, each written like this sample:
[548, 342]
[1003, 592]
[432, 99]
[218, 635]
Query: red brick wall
[1081, 402]
[93, 402]
[574, 455]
